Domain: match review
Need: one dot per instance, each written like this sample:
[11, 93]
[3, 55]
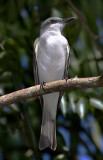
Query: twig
[92, 35]
[99, 37]
[61, 85]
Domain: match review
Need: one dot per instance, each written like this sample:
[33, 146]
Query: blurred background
[80, 117]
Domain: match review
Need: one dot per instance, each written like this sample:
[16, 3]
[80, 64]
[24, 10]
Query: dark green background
[81, 112]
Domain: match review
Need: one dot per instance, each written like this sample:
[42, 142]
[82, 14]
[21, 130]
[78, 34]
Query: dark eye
[53, 21]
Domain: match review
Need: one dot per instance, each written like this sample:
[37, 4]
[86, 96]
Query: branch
[99, 37]
[80, 17]
[61, 85]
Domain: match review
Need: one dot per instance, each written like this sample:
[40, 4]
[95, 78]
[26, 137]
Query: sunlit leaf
[97, 103]
[96, 133]
[72, 99]
[81, 108]
[63, 106]
[60, 157]
[14, 107]
[29, 153]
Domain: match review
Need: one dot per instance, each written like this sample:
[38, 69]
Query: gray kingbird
[50, 63]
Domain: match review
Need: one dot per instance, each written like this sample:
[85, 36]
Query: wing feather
[67, 59]
[35, 66]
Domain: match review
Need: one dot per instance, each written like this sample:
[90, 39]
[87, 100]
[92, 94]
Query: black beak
[66, 20]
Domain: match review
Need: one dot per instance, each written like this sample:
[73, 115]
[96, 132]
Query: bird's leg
[66, 79]
[42, 85]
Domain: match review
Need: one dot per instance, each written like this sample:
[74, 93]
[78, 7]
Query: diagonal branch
[61, 85]
[80, 17]
[99, 37]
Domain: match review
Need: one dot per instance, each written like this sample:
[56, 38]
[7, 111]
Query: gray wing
[35, 66]
[65, 71]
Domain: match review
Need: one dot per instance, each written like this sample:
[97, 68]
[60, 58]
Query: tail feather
[48, 131]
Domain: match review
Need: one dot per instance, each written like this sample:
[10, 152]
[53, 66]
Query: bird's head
[54, 24]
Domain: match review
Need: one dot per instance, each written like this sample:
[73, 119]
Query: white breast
[51, 58]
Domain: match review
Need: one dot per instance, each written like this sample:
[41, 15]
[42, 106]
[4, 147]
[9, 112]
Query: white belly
[51, 61]
[51, 65]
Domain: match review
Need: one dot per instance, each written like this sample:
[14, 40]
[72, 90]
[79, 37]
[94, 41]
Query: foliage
[79, 120]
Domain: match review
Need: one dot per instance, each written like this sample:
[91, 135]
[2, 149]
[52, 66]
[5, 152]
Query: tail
[48, 131]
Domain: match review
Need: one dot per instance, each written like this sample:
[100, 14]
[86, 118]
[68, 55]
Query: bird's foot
[66, 79]
[42, 85]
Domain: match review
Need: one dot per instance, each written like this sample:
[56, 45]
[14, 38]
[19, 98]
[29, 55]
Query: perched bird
[50, 63]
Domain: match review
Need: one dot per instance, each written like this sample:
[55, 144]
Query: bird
[51, 56]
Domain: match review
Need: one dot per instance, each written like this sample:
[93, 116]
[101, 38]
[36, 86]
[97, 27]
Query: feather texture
[50, 63]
